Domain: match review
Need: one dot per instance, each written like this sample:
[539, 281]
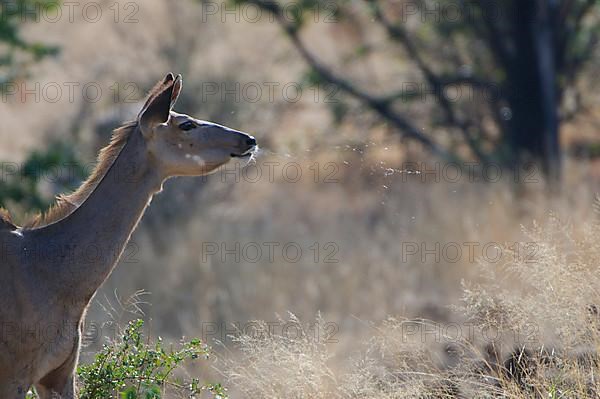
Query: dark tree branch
[492, 34]
[398, 34]
[566, 36]
[568, 30]
[583, 11]
[534, 51]
[382, 107]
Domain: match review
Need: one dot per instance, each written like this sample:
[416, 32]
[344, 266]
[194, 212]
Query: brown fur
[5, 220]
[66, 204]
[55, 289]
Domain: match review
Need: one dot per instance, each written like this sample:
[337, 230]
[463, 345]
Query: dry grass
[535, 339]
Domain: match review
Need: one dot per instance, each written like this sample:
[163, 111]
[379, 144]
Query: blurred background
[401, 143]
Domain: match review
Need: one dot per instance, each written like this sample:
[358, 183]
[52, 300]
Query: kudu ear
[157, 89]
[159, 104]
[177, 86]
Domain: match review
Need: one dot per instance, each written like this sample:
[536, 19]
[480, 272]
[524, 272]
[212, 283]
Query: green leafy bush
[134, 369]
[32, 186]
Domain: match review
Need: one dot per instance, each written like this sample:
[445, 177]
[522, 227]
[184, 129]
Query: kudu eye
[189, 125]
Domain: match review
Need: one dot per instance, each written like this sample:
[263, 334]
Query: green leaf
[130, 393]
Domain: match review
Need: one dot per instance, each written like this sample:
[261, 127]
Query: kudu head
[182, 145]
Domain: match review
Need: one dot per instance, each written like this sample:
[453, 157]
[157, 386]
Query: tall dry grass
[529, 328]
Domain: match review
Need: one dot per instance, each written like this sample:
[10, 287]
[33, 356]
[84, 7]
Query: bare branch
[382, 107]
[400, 35]
[493, 36]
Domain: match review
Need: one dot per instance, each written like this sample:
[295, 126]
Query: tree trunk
[532, 94]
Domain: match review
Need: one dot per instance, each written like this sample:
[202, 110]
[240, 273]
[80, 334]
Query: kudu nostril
[251, 141]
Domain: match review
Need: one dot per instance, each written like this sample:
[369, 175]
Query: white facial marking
[196, 158]
[17, 232]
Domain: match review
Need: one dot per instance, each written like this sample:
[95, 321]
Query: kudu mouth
[251, 147]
